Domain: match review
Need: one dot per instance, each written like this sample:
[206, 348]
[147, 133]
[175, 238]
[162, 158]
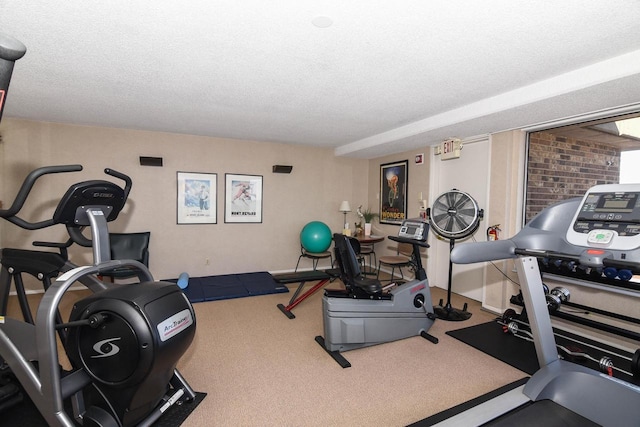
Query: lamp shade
[344, 206]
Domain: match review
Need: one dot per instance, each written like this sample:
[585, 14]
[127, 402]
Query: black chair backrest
[130, 246]
[347, 259]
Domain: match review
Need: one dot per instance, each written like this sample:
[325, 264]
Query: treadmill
[599, 231]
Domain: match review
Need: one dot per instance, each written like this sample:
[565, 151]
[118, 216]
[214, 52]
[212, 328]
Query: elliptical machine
[365, 313]
[123, 341]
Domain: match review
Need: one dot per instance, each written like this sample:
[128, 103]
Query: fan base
[451, 314]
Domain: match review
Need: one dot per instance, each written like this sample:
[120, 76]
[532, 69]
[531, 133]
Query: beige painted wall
[313, 191]
[504, 208]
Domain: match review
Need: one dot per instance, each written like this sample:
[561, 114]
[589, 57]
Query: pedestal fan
[454, 215]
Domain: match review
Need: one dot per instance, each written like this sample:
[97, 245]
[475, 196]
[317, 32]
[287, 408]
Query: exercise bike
[123, 341]
[365, 313]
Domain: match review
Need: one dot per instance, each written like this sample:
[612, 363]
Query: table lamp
[344, 208]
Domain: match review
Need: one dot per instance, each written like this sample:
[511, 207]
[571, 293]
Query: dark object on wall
[150, 161]
[282, 169]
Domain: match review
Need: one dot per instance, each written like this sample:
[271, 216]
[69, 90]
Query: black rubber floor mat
[521, 354]
[26, 414]
[490, 339]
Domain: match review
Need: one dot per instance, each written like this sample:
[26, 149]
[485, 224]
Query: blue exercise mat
[226, 286]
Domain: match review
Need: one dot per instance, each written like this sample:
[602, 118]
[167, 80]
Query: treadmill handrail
[472, 252]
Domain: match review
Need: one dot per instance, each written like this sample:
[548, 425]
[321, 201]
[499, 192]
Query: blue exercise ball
[315, 237]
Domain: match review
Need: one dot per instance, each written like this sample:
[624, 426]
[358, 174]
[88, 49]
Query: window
[564, 162]
[629, 170]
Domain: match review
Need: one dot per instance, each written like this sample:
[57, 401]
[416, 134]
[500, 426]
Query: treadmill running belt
[541, 413]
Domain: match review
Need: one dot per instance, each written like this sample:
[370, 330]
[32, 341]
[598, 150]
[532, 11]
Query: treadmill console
[608, 217]
[415, 229]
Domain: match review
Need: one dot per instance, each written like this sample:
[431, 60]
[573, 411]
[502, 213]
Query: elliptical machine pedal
[10, 390]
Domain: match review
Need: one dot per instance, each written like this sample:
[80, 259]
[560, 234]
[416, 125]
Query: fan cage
[454, 215]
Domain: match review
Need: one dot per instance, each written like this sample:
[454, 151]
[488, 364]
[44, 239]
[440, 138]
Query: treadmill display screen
[616, 202]
[611, 207]
[616, 211]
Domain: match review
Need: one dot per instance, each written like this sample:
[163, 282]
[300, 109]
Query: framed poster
[243, 198]
[197, 195]
[393, 192]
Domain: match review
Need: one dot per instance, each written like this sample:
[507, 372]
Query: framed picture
[197, 195]
[243, 198]
[393, 192]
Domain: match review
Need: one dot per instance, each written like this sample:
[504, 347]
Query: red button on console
[595, 251]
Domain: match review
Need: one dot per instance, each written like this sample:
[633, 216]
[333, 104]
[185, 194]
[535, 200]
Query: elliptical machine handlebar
[127, 180]
[62, 247]
[65, 212]
[25, 189]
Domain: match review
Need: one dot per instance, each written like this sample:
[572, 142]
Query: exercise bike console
[414, 230]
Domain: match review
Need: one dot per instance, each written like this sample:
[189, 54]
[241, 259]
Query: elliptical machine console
[123, 341]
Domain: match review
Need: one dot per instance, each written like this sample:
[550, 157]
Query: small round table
[369, 240]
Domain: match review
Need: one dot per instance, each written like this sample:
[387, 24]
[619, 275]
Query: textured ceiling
[385, 77]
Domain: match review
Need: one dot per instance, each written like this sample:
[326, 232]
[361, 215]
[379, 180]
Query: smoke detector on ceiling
[322, 21]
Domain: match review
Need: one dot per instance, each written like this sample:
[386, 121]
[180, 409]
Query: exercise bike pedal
[429, 337]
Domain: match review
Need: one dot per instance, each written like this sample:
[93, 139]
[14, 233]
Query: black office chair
[133, 246]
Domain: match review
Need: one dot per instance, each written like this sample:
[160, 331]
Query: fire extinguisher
[493, 232]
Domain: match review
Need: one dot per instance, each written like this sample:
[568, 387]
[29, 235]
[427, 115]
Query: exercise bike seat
[369, 285]
[350, 273]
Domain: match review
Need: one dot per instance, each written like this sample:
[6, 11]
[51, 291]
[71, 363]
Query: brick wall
[559, 168]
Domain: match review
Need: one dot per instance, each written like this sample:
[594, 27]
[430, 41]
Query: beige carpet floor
[260, 368]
